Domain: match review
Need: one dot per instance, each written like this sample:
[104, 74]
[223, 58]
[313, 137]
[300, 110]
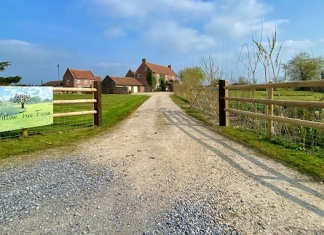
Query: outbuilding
[120, 85]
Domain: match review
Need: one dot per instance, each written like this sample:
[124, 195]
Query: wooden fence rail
[96, 100]
[224, 98]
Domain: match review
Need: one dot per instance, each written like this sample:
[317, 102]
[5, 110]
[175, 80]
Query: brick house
[78, 78]
[120, 85]
[158, 72]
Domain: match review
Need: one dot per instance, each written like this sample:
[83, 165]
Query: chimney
[169, 66]
[143, 61]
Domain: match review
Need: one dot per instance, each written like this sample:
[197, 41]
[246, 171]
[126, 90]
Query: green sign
[25, 107]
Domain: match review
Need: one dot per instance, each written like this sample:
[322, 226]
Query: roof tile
[82, 74]
[155, 68]
[126, 81]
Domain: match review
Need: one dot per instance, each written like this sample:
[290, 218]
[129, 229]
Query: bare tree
[250, 63]
[270, 62]
[268, 58]
[213, 71]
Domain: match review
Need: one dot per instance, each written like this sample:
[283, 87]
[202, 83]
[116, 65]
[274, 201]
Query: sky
[109, 37]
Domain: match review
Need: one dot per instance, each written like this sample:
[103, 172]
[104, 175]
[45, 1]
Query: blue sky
[109, 37]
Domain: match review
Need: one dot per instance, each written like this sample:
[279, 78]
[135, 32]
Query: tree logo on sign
[22, 99]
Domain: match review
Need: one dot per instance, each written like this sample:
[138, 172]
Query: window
[68, 81]
[138, 75]
[78, 81]
[145, 68]
[85, 81]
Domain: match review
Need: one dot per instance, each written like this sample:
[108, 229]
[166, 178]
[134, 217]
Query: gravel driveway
[158, 172]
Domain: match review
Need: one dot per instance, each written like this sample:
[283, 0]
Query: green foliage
[242, 81]
[5, 81]
[279, 149]
[191, 78]
[150, 79]
[8, 80]
[163, 84]
[303, 67]
[3, 65]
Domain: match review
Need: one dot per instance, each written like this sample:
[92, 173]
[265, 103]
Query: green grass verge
[115, 108]
[308, 163]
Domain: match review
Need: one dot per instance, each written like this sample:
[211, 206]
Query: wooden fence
[203, 98]
[96, 100]
[218, 102]
[96, 111]
[206, 99]
[225, 96]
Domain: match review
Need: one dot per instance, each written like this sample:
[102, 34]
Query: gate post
[223, 104]
[97, 118]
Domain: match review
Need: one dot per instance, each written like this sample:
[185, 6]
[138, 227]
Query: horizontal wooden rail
[308, 104]
[55, 115]
[298, 122]
[74, 89]
[312, 83]
[78, 101]
[95, 89]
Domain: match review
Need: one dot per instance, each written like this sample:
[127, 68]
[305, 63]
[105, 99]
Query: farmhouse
[158, 71]
[121, 85]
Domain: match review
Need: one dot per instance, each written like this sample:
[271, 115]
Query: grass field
[115, 108]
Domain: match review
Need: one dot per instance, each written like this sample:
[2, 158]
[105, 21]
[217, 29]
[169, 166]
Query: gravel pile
[69, 196]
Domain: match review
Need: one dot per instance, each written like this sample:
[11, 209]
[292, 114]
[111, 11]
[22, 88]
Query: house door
[135, 89]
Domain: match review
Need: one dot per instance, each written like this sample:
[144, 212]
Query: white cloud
[296, 44]
[218, 18]
[175, 38]
[114, 32]
[155, 8]
[292, 47]
[239, 18]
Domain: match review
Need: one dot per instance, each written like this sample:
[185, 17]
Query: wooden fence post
[97, 118]
[223, 115]
[270, 112]
[24, 132]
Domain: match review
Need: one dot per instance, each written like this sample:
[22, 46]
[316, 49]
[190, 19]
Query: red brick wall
[68, 76]
[74, 82]
[142, 72]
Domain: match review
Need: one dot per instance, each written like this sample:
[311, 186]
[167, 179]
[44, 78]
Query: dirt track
[162, 156]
